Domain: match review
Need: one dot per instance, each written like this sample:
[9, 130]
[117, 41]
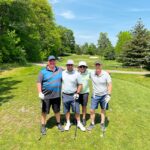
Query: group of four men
[73, 85]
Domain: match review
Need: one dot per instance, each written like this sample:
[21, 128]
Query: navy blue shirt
[51, 82]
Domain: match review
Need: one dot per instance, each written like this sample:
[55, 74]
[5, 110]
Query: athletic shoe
[67, 127]
[60, 128]
[43, 130]
[79, 125]
[84, 122]
[102, 125]
[91, 126]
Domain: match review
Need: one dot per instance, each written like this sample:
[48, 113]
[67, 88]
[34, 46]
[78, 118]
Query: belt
[68, 93]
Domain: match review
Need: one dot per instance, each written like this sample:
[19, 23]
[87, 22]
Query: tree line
[28, 32]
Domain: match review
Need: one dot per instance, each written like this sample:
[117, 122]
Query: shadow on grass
[147, 75]
[6, 85]
[51, 122]
[10, 66]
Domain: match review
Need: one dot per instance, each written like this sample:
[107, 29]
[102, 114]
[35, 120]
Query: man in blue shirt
[49, 89]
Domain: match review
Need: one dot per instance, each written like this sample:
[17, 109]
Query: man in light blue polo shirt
[71, 87]
[102, 88]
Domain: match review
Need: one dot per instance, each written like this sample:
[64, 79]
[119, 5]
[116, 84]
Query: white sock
[68, 121]
[78, 122]
[93, 122]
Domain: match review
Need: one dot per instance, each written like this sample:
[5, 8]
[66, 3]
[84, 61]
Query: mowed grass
[107, 64]
[128, 127]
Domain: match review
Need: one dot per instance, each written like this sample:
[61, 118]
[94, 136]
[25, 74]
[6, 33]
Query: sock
[68, 121]
[92, 122]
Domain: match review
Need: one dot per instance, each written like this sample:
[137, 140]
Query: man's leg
[43, 119]
[102, 116]
[92, 116]
[77, 115]
[56, 108]
[84, 112]
[68, 124]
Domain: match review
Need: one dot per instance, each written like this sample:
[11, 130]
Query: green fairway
[128, 127]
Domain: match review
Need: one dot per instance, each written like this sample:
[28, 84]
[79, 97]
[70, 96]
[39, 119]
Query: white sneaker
[67, 126]
[82, 128]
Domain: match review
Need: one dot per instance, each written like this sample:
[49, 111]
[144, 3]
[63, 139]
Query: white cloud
[67, 14]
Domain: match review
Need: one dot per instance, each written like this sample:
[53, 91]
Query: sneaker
[91, 126]
[67, 127]
[82, 128]
[43, 130]
[102, 125]
[84, 122]
[60, 128]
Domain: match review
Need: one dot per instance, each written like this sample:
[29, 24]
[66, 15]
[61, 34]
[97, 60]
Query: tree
[92, 49]
[105, 47]
[84, 48]
[137, 51]
[78, 49]
[123, 38]
[67, 40]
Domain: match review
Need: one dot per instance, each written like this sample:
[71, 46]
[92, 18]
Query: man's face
[98, 68]
[52, 63]
[69, 67]
[82, 69]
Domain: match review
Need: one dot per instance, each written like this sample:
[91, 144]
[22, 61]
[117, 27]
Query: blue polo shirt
[51, 82]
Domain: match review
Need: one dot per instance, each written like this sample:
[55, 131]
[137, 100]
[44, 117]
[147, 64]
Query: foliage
[123, 38]
[137, 51]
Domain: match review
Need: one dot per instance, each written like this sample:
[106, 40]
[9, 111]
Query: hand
[41, 95]
[76, 96]
[107, 98]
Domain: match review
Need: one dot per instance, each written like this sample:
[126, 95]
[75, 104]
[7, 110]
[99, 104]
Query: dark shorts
[68, 101]
[99, 100]
[46, 104]
[83, 99]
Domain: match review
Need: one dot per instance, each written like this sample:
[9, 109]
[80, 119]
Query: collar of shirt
[99, 74]
[47, 68]
[70, 72]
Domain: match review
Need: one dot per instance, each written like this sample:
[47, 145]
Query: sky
[87, 18]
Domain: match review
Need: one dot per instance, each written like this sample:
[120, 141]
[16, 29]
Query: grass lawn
[107, 64]
[128, 127]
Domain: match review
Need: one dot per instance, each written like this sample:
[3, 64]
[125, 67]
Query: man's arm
[109, 88]
[79, 88]
[39, 87]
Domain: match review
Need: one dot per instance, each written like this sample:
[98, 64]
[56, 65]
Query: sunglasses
[69, 65]
[82, 67]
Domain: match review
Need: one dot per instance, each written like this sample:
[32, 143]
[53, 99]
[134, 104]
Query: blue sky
[87, 18]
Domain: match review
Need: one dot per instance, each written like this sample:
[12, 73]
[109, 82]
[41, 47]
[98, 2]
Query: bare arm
[79, 88]
[39, 87]
[109, 88]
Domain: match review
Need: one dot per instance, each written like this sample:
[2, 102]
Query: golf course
[127, 121]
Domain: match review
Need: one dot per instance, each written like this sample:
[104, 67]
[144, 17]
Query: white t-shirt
[70, 81]
[100, 83]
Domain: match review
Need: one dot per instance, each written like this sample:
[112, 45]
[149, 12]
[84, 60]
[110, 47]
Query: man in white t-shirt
[71, 87]
[102, 88]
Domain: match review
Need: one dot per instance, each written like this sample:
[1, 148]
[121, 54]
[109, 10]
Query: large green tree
[137, 51]
[123, 38]
[105, 47]
[67, 40]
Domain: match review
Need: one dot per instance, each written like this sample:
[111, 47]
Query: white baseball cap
[70, 62]
[82, 63]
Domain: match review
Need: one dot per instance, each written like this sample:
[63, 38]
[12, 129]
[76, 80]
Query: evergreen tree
[137, 51]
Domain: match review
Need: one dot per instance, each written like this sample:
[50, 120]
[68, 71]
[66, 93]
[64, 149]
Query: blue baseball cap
[51, 58]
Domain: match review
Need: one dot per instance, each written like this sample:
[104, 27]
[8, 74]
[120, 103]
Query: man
[71, 87]
[49, 89]
[83, 97]
[102, 88]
